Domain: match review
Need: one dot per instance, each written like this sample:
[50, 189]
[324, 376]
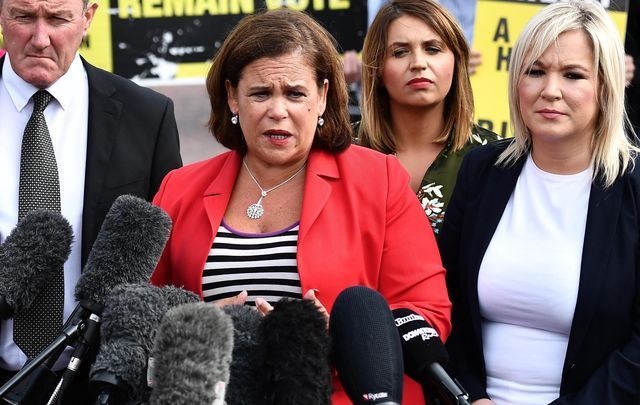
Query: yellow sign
[498, 24]
[96, 46]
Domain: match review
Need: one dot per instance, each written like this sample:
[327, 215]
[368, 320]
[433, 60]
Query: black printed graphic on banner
[151, 38]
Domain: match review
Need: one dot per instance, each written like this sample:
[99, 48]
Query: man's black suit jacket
[132, 142]
[602, 363]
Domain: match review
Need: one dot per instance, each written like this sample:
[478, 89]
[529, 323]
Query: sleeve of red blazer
[411, 273]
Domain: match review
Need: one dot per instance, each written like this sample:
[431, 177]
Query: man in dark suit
[108, 136]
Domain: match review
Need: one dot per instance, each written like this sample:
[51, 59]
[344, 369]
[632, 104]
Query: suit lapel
[216, 196]
[500, 184]
[317, 189]
[602, 221]
[104, 116]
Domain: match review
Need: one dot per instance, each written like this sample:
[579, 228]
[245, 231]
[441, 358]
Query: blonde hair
[612, 151]
[375, 128]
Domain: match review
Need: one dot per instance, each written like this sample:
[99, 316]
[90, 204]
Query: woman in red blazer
[338, 215]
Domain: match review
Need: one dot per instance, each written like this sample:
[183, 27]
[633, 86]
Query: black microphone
[366, 346]
[40, 242]
[130, 319]
[127, 250]
[192, 356]
[245, 384]
[296, 346]
[424, 353]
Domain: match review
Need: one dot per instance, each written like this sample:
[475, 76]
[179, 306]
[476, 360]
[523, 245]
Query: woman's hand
[263, 306]
[483, 401]
[311, 295]
[475, 60]
[239, 299]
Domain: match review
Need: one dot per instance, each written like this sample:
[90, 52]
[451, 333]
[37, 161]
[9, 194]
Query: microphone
[40, 242]
[245, 386]
[192, 356]
[366, 345]
[296, 346]
[127, 250]
[424, 353]
[129, 322]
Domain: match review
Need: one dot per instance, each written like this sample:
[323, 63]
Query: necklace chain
[255, 211]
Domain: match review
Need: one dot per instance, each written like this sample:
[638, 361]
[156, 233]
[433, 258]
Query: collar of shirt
[21, 91]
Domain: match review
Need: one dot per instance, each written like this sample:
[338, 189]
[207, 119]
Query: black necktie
[39, 324]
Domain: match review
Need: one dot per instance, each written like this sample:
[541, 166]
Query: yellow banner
[96, 47]
[498, 24]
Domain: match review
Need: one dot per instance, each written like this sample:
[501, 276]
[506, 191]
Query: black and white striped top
[264, 264]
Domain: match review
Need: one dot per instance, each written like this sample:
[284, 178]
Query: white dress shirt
[67, 118]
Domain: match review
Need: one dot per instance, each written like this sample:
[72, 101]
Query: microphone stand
[85, 341]
[69, 333]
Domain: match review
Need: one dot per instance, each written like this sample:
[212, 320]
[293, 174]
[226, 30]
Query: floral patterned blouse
[438, 182]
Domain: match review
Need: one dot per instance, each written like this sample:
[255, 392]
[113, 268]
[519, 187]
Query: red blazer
[360, 225]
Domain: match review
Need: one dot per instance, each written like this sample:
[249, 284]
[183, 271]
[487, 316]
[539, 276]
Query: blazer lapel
[317, 189]
[500, 184]
[104, 115]
[216, 196]
[599, 236]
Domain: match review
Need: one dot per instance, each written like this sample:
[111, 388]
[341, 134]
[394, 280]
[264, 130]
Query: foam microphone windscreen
[126, 250]
[40, 243]
[192, 355]
[130, 319]
[296, 346]
[366, 347]
[245, 386]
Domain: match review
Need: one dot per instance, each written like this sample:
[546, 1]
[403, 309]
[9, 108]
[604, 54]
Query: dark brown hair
[268, 35]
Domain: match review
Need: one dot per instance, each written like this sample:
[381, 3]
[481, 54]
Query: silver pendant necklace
[256, 211]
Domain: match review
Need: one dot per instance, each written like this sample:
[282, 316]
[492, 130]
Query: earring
[320, 121]
[234, 119]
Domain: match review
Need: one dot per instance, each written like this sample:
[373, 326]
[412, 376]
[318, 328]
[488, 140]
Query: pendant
[256, 211]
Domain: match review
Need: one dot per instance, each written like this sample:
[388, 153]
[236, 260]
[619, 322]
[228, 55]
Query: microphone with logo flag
[424, 353]
[366, 347]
